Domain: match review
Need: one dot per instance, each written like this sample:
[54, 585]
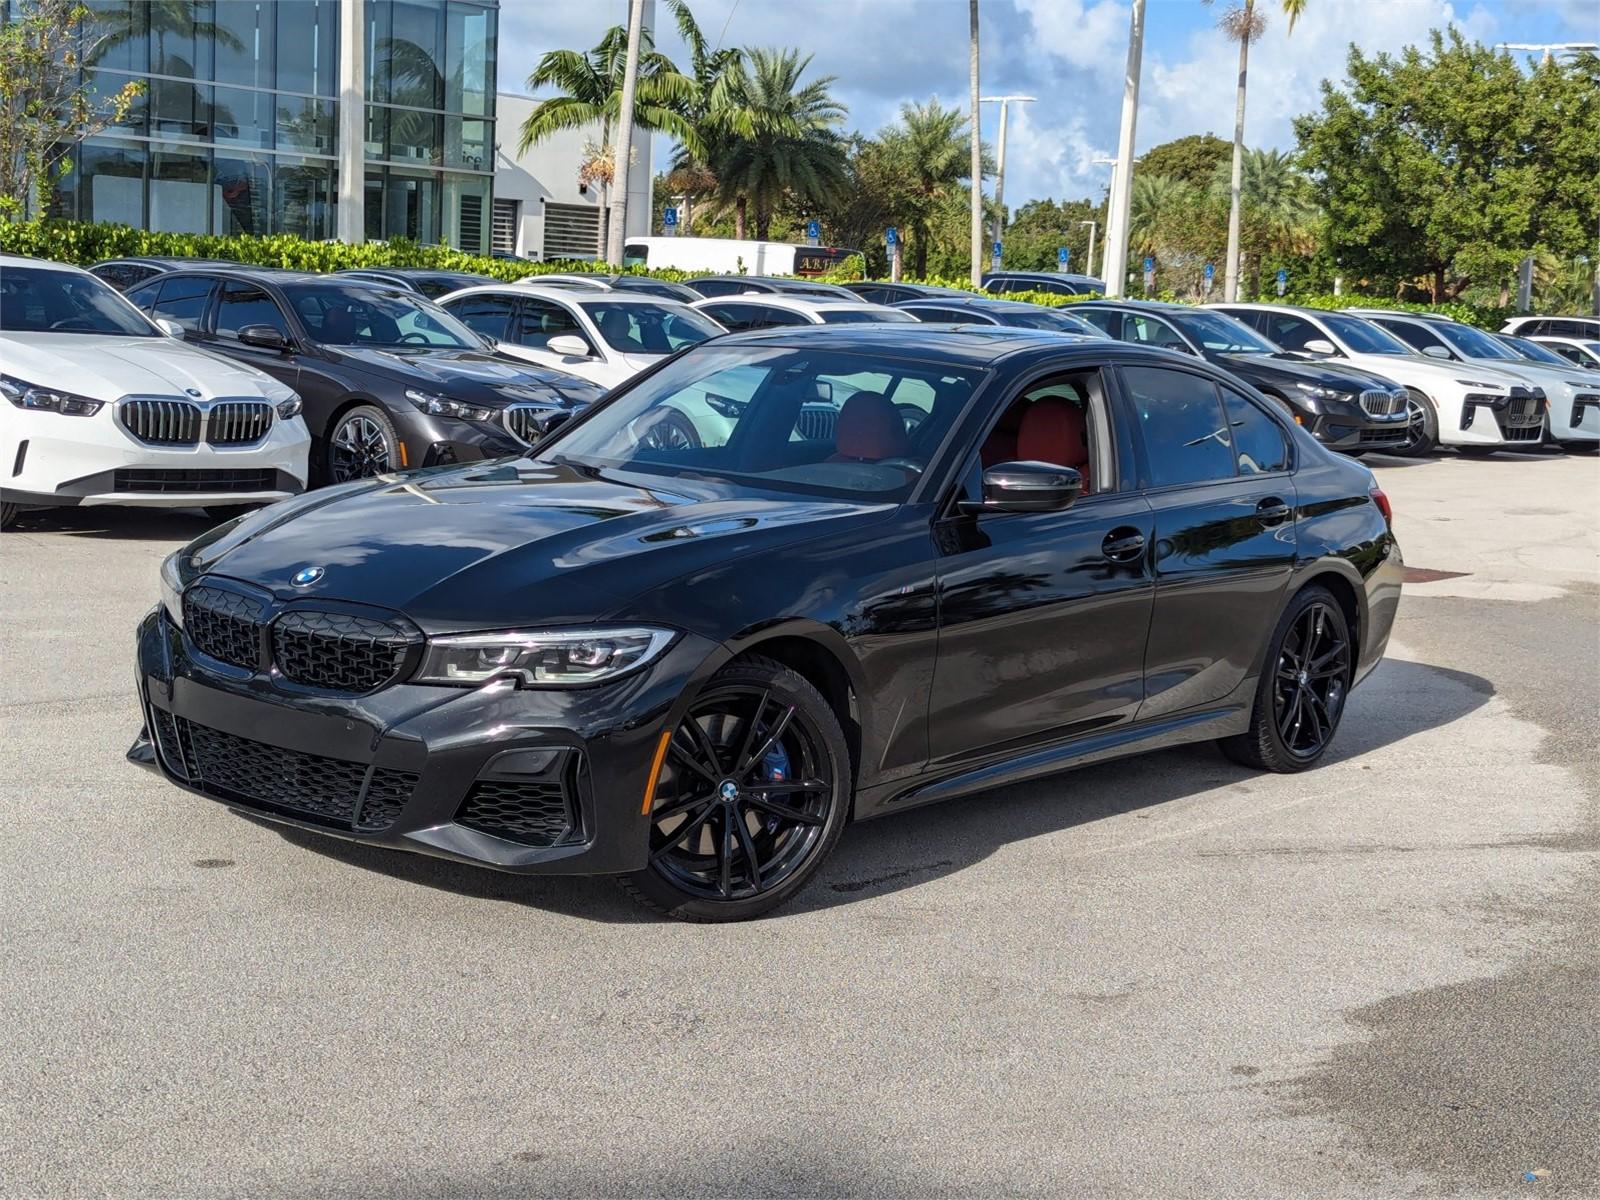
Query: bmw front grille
[159, 421]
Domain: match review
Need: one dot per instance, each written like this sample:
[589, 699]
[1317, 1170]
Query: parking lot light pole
[977, 151]
[1088, 259]
[1116, 248]
[1000, 163]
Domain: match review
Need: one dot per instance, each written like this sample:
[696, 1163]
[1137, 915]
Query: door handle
[1123, 544]
[1272, 511]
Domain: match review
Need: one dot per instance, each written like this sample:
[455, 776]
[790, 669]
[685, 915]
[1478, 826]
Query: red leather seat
[1001, 444]
[869, 429]
[1054, 431]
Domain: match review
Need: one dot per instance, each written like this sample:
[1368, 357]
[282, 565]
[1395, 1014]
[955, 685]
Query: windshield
[1223, 335]
[630, 327]
[792, 419]
[862, 316]
[1473, 343]
[1525, 348]
[1364, 337]
[340, 314]
[42, 300]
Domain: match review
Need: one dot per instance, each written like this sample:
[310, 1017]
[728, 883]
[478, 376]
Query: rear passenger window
[1258, 443]
[1182, 426]
[183, 301]
[488, 315]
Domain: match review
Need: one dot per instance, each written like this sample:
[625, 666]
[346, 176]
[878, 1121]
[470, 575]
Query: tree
[932, 149]
[1243, 24]
[591, 95]
[50, 105]
[1451, 165]
[1192, 160]
[693, 173]
[783, 142]
[1040, 228]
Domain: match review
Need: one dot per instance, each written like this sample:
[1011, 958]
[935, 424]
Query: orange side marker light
[655, 772]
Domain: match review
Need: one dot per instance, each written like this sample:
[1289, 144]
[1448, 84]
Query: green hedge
[84, 244]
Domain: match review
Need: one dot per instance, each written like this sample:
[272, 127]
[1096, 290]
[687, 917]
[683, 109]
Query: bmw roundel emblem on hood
[195, 392]
[306, 576]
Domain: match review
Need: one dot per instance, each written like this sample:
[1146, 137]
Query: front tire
[753, 794]
[1422, 435]
[363, 443]
[8, 514]
[1301, 695]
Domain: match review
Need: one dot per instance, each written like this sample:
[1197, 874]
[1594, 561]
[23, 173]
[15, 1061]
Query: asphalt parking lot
[1164, 977]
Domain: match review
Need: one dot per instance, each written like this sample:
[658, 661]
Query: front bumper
[524, 780]
[1576, 418]
[427, 441]
[52, 460]
[1349, 428]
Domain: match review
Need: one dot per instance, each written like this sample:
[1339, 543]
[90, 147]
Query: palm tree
[933, 147]
[693, 174]
[591, 95]
[1243, 24]
[1154, 203]
[783, 141]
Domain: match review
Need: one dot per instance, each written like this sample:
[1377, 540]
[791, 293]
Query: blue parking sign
[1283, 280]
[891, 235]
[813, 229]
[1063, 257]
[669, 217]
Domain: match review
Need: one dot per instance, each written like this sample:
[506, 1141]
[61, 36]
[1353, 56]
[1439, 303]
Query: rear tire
[1304, 683]
[8, 514]
[753, 795]
[1423, 436]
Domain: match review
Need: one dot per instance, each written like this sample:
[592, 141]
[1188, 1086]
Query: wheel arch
[1345, 584]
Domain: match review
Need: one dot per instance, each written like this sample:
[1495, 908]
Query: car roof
[793, 303]
[570, 295]
[28, 260]
[279, 276]
[965, 345]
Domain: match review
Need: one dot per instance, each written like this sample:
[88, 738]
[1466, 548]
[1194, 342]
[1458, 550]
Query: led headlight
[172, 587]
[39, 399]
[541, 657]
[1478, 383]
[1314, 394]
[290, 407]
[443, 406]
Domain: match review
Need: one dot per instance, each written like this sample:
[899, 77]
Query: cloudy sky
[1067, 53]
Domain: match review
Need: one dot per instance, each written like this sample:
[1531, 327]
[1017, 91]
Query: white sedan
[104, 406]
[606, 337]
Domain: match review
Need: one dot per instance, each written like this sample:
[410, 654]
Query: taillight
[1382, 501]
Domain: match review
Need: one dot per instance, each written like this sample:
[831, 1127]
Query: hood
[511, 544]
[476, 376]
[1406, 367]
[1313, 371]
[108, 368]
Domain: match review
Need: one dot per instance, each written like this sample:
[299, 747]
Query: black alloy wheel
[1422, 431]
[364, 443]
[1301, 696]
[753, 792]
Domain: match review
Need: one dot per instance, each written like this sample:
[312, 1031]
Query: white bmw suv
[1468, 406]
[102, 406]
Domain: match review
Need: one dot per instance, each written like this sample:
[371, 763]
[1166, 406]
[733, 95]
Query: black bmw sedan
[389, 380]
[1344, 407]
[692, 666]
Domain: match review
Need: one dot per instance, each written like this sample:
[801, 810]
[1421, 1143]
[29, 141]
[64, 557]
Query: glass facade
[237, 129]
[430, 120]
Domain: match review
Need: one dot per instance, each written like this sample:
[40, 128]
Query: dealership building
[355, 119]
[350, 119]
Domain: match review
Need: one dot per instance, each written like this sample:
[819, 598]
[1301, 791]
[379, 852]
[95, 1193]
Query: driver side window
[542, 320]
[1290, 332]
[1060, 420]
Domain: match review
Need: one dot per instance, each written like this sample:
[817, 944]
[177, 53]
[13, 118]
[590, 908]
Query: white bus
[726, 256]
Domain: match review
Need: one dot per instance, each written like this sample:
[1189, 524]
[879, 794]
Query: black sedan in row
[1344, 407]
[388, 379]
[690, 666]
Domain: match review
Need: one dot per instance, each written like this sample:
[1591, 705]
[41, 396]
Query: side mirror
[169, 327]
[263, 337]
[1438, 352]
[1321, 346]
[568, 346]
[1027, 487]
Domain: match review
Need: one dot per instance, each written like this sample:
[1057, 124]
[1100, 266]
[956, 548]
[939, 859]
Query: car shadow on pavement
[905, 850]
[117, 524]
